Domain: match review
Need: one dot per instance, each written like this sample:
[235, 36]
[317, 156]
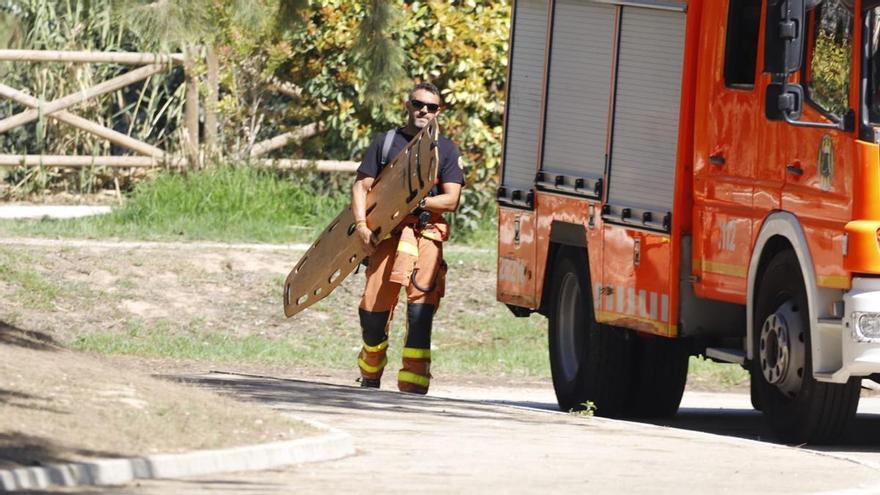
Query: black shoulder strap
[386, 146]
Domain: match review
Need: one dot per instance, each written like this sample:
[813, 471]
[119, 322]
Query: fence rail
[151, 156]
[121, 58]
[8, 161]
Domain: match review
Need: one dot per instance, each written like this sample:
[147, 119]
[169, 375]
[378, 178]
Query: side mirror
[784, 101]
[784, 36]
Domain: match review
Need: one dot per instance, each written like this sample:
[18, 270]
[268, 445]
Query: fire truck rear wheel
[661, 367]
[589, 362]
[798, 408]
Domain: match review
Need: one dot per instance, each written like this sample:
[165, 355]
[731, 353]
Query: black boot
[370, 383]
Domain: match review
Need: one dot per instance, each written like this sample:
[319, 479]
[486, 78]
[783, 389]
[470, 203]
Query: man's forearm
[359, 201]
[442, 203]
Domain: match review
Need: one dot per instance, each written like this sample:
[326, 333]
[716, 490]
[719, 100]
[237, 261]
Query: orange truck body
[676, 248]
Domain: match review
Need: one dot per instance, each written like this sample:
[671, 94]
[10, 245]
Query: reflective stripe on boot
[415, 377]
[372, 360]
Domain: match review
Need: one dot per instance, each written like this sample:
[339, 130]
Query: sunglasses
[419, 104]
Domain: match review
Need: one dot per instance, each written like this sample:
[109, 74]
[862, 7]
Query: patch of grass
[222, 203]
[228, 204]
[484, 232]
[710, 372]
[501, 346]
[193, 341]
[494, 342]
[33, 289]
[471, 259]
[585, 409]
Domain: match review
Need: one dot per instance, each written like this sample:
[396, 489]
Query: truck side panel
[517, 243]
[636, 281]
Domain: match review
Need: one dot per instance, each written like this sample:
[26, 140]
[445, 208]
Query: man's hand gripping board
[335, 254]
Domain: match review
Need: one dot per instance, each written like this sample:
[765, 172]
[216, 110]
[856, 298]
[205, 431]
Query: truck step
[727, 355]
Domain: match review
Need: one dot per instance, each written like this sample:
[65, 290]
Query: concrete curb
[335, 444]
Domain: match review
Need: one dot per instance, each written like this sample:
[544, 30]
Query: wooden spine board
[401, 185]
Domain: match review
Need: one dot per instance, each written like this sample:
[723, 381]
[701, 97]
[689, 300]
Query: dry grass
[58, 406]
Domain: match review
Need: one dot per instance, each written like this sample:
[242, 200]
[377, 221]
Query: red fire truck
[688, 177]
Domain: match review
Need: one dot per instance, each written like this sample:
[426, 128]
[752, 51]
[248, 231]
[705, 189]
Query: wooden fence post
[191, 107]
[211, 99]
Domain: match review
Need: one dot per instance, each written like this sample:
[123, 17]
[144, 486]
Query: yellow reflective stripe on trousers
[432, 236]
[410, 377]
[376, 348]
[412, 352]
[407, 248]
[372, 369]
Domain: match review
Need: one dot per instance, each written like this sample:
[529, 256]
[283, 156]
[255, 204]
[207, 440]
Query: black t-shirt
[448, 171]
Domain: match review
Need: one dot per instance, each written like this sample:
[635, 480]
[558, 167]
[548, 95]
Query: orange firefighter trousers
[411, 258]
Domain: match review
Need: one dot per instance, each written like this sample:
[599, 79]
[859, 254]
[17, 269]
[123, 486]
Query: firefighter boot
[416, 373]
[371, 359]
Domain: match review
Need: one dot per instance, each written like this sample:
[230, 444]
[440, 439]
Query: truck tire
[661, 367]
[589, 361]
[798, 408]
[754, 394]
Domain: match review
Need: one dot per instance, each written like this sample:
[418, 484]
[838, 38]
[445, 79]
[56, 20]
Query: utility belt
[419, 219]
[423, 216]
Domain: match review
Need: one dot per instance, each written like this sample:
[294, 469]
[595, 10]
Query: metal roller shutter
[646, 114]
[524, 95]
[579, 89]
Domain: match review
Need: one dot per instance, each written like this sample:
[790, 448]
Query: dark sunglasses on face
[419, 104]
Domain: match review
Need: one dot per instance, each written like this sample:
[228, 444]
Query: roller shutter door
[646, 114]
[524, 97]
[578, 91]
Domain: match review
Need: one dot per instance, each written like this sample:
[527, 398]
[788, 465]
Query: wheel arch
[563, 235]
[780, 231]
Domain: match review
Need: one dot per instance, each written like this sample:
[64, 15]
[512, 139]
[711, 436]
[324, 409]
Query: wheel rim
[569, 318]
[782, 350]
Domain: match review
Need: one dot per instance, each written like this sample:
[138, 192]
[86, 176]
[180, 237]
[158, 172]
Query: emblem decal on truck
[825, 163]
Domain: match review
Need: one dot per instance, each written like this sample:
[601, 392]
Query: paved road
[515, 443]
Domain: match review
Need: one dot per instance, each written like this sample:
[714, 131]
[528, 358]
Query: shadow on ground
[333, 399]
[23, 400]
[340, 400]
[31, 339]
[18, 449]
[862, 436]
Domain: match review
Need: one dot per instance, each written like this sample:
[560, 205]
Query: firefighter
[410, 257]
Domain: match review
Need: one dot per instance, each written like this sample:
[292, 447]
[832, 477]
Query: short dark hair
[425, 86]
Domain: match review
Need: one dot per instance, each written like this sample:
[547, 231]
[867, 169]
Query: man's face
[430, 107]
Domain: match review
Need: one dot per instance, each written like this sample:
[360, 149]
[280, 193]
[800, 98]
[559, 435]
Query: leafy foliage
[347, 66]
[459, 46]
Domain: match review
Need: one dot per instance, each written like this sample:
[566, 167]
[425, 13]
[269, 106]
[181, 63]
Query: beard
[419, 122]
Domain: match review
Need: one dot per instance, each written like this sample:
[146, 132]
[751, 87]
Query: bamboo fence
[150, 155]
